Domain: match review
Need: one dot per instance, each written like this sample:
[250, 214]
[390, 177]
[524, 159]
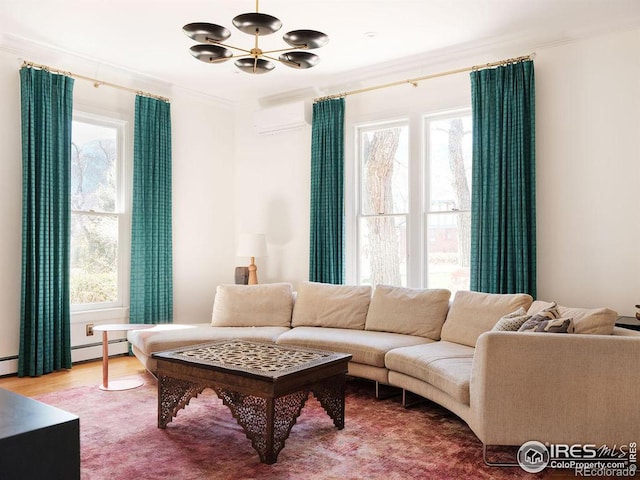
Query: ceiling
[145, 37]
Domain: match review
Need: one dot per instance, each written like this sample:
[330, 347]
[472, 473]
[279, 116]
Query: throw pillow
[512, 322]
[544, 324]
[265, 305]
[550, 312]
[409, 311]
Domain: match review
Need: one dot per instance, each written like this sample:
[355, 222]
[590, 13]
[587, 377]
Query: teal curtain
[47, 109]
[151, 289]
[503, 203]
[326, 259]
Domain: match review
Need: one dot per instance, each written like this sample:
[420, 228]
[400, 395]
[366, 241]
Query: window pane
[94, 258]
[93, 167]
[448, 250]
[449, 164]
[383, 250]
[384, 162]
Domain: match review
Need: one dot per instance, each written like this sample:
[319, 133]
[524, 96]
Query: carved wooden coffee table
[264, 385]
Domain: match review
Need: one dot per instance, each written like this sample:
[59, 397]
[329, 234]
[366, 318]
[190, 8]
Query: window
[384, 204]
[99, 216]
[412, 225]
[448, 201]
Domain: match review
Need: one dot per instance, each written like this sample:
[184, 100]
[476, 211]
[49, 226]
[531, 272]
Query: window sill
[100, 315]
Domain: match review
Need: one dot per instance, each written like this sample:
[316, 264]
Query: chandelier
[211, 48]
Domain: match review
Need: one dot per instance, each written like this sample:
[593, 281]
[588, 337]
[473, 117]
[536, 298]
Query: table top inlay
[262, 359]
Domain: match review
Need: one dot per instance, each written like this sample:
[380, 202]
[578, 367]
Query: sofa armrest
[557, 388]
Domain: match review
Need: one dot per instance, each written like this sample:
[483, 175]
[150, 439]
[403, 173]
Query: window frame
[359, 214]
[418, 191]
[118, 308]
[426, 199]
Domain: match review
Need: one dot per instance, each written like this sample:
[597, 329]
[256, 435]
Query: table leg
[105, 360]
[267, 422]
[116, 385]
[174, 395]
[330, 394]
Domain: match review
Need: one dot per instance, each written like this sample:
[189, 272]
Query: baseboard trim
[79, 354]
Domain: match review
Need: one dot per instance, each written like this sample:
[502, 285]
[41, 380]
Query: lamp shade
[252, 245]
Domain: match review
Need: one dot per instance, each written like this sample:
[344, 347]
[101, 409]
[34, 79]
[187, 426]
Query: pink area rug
[381, 440]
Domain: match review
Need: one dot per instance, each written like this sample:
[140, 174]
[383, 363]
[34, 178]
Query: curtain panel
[326, 256]
[151, 289]
[503, 206]
[46, 114]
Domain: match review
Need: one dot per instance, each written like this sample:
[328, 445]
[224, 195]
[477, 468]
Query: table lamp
[252, 245]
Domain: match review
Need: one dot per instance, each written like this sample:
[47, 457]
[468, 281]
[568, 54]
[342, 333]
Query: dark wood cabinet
[632, 323]
[37, 441]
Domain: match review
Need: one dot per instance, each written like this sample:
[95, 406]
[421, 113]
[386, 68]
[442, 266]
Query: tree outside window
[384, 205]
[448, 212]
[95, 214]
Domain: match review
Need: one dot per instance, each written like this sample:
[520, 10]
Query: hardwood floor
[86, 373]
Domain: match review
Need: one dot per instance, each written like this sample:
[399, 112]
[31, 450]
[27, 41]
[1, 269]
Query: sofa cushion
[512, 322]
[443, 364]
[543, 324]
[407, 310]
[473, 313]
[366, 347]
[596, 321]
[326, 305]
[168, 336]
[267, 305]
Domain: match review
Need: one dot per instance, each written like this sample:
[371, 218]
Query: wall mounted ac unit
[282, 117]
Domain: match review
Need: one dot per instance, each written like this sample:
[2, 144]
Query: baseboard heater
[79, 354]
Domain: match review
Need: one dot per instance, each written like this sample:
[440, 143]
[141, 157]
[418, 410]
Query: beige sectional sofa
[510, 387]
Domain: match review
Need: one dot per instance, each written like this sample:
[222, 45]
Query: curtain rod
[96, 83]
[414, 81]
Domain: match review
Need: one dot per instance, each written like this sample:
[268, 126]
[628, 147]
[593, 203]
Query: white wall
[203, 195]
[10, 210]
[203, 205]
[588, 156]
[272, 197]
[588, 167]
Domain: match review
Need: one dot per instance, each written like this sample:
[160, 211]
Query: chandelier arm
[214, 42]
[304, 47]
[220, 60]
[296, 64]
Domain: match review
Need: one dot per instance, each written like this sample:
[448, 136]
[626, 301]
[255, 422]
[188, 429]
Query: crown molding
[478, 52]
[60, 58]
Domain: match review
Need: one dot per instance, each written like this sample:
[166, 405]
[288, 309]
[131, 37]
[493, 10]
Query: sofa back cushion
[326, 305]
[595, 321]
[267, 305]
[473, 313]
[408, 311]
